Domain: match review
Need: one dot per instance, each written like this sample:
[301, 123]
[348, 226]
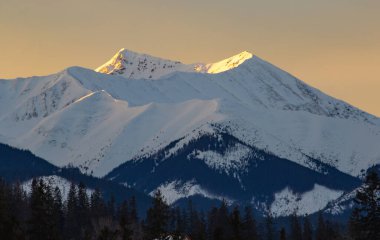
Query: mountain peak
[228, 63]
[135, 65]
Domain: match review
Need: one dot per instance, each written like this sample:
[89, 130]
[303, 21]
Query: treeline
[45, 214]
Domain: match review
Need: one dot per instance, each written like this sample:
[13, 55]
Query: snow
[54, 181]
[98, 121]
[175, 190]
[226, 64]
[288, 202]
[235, 158]
[344, 202]
[134, 65]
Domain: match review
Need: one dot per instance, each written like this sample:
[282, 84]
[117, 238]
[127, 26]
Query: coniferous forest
[45, 214]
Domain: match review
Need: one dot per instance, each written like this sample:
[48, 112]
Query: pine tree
[180, 222]
[172, 225]
[307, 229]
[83, 211]
[97, 205]
[157, 218]
[72, 228]
[236, 224]
[223, 221]
[124, 222]
[321, 228]
[212, 224]
[41, 223]
[365, 219]
[135, 225]
[190, 218]
[269, 225]
[295, 228]
[6, 224]
[249, 228]
[18, 206]
[200, 227]
[58, 214]
[184, 221]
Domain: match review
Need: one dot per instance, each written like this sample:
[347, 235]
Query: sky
[333, 45]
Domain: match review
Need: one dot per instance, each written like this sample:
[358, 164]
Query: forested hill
[21, 165]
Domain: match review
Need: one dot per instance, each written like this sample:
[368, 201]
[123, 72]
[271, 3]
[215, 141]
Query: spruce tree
[124, 222]
[190, 218]
[200, 227]
[83, 210]
[72, 228]
[41, 222]
[18, 205]
[223, 224]
[58, 214]
[365, 219]
[295, 228]
[269, 226]
[97, 205]
[5, 214]
[249, 228]
[307, 229]
[236, 224]
[157, 218]
[180, 222]
[321, 232]
[212, 223]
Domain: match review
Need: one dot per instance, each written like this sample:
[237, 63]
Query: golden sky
[334, 45]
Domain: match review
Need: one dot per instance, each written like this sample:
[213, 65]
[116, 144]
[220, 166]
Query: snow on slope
[175, 190]
[272, 110]
[135, 66]
[224, 65]
[234, 158]
[343, 203]
[142, 66]
[97, 132]
[53, 181]
[288, 202]
[97, 121]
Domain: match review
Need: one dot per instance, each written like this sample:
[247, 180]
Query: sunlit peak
[226, 64]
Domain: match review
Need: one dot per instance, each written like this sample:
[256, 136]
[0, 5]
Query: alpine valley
[240, 130]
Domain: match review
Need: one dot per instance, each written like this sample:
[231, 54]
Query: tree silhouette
[365, 219]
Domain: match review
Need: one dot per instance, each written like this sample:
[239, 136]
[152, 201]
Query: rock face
[240, 129]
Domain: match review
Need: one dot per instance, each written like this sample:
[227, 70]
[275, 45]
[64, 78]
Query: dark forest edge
[22, 165]
[45, 214]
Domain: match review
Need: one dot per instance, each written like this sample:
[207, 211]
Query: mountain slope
[22, 166]
[219, 166]
[119, 121]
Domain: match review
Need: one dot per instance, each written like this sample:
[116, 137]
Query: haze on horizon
[334, 45]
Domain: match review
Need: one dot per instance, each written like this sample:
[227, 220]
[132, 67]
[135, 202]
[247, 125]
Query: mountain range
[240, 130]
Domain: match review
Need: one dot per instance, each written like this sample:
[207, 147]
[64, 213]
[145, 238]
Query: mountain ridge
[135, 65]
[99, 122]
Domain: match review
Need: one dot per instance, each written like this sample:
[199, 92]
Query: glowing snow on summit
[143, 66]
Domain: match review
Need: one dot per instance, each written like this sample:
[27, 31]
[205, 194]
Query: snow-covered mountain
[142, 112]
[134, 65]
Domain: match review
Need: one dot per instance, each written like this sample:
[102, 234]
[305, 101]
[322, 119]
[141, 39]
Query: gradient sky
[333, 45]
